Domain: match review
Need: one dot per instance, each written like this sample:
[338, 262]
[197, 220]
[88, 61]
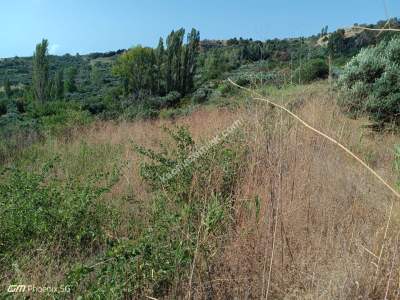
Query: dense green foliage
[137, 67]
[147, 71]
[370, 82]
[52, 210]
[35, 209]
[70, 82]
[57, 86]
[312, 70]
[40, 74]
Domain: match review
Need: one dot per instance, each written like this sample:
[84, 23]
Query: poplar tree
[174, 60]
[191, 53]
[40, 72]
[160, 57]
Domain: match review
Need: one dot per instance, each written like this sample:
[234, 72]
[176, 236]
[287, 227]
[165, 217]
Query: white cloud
[53, 48]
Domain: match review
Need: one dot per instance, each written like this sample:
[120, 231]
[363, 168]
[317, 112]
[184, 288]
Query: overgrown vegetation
[311, 71]
[87, 221]
[187, 219]
[370, 82]
[270, 210]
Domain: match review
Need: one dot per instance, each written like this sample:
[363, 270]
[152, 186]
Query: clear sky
[85, 26]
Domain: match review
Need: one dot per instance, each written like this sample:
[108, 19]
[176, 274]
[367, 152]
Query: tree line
[169, 67]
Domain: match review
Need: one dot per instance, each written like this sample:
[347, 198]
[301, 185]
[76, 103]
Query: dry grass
[322, 230]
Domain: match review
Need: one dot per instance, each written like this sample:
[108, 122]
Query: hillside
[293, 203]
[203, 169]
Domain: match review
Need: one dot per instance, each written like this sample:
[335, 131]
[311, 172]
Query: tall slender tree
[160, 57]
[190, 58]
[168, 63]
[40, 74]
[174, 60]
[59, 85]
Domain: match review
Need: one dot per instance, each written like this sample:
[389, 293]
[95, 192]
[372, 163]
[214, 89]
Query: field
[272, 210]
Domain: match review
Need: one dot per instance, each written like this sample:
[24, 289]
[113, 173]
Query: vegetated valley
[88, 144]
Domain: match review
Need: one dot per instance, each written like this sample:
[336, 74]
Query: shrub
[226, 89]
[172, 99]
[161, 256]
[95, 108]
[369, 83]
[201, 95]
[243, 80]
[41, 208]
[64, 119]
[16, 133]
[312, 70]
[20, 104]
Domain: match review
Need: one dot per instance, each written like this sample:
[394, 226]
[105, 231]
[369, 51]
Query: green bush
[369, 83]
[40, 209]
[243, 80]
[312, 70]
[16, 133]
[20, 105]
[162, 255]
[201, 95]
[226, 89]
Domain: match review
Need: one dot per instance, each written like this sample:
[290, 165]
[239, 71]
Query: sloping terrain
[271, 210]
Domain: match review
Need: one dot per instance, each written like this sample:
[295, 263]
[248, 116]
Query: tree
[40, 74]
[137, 68]
[7, 87]
[190, 57]
[174, 60]
[70, 82]
[160, 71]
[58, 86]
[160, 58]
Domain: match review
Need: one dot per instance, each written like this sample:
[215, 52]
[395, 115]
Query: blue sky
[85, 26]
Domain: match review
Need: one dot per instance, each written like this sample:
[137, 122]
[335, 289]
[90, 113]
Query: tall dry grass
[309, 222]
[326, 228]
[322, 230]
